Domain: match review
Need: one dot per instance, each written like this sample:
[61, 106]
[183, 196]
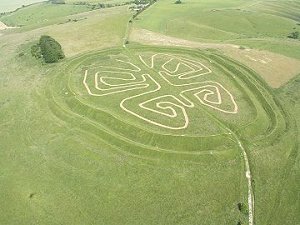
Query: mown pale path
[109, 81]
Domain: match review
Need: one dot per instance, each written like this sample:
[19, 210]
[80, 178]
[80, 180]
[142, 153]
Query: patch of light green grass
[41, 14]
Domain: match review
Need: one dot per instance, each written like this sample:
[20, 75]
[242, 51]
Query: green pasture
[284, 47]
[41, 14]
[80, 32]
[218, 21]
[97, 1]
[69, 168]
[11, 5]
[84, 156]
[67, 157]
[104, 155]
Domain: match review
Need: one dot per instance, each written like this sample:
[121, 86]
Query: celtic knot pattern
[156, 103]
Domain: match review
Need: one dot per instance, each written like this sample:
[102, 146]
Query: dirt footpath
[3, 26]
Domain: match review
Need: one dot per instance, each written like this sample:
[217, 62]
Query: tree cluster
[48, 49]
[57, 1]
[102, 5]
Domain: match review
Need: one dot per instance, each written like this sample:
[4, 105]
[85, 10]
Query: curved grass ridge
[269, 123]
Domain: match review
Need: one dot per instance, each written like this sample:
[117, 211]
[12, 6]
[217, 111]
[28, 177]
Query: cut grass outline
[209, 88]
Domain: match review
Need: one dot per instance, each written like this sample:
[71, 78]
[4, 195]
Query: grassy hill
[238, 22]
[41, 14]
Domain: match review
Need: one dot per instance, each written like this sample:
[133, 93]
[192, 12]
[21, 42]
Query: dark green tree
[51, 50]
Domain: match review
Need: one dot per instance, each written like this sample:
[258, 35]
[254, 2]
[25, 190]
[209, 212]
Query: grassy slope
[285, 47]
[91, 31]
[96, 1]
[61, 169]
[11, 5]
[273, 159]
[41, 14]
[231, 21]
[290, 95]
[55, 172]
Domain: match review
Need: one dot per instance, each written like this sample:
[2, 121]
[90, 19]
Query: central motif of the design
[167, 71]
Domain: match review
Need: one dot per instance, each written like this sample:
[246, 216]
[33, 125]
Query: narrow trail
[249, 183]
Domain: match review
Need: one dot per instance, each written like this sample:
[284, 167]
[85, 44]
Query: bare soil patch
[2, 26]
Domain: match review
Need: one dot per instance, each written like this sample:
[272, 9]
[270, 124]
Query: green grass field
[97, 1]
[234, 21]
[142, 134]
[11, 5]
[41, 14]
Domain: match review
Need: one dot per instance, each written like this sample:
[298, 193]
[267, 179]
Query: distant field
[284, 47]
[96, 1]
[41, 14]
[11, 5]
[80, 32]
[235, 21]
[92, 30]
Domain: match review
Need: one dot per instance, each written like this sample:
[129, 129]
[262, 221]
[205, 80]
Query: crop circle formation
[163, 92]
